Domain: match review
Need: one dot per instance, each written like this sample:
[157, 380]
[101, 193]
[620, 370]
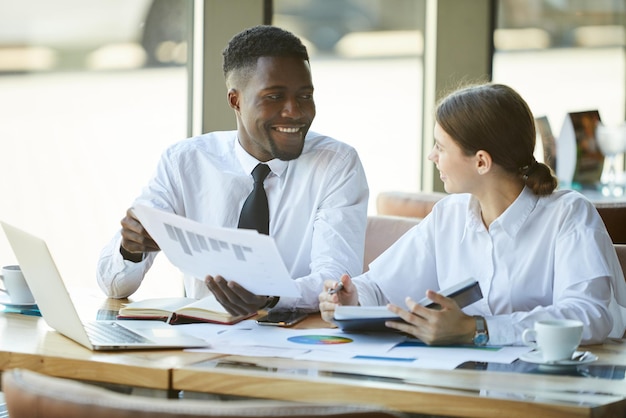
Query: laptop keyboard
[102, 333]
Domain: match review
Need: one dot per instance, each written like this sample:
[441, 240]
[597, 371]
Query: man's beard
[285, 155]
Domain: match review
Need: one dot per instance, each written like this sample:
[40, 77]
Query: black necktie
[255, 213]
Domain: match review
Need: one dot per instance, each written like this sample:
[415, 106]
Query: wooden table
[27, 342]
[461, 393]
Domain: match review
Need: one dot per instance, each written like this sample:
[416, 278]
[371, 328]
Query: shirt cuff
[501, 331]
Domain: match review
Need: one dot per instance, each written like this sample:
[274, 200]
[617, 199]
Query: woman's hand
[342, 292]
[447, 325]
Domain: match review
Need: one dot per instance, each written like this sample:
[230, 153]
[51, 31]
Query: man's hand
[135, 239]
[346, 294]
[233, 297]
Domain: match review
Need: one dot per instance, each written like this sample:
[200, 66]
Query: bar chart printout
[245, 256]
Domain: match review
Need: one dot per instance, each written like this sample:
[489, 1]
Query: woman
[536, 252]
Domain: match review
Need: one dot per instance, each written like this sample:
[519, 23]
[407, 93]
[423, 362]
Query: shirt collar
[248, 162]
[511, 220]
[515, 216]
[473, 220]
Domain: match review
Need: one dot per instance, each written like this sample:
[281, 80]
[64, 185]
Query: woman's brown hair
[496, 119]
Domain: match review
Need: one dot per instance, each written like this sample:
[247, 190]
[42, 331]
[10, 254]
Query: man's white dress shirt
[544, 257]
[317, 203]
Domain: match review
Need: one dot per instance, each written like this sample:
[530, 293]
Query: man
[316, 191]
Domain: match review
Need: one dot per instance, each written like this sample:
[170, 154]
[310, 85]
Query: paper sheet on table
[248, 335]
[412, 353]
[259, 351]
[325, 344]
[247, 257]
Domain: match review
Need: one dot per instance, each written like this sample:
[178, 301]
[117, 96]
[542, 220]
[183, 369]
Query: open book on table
[372, 318]
[180, 310]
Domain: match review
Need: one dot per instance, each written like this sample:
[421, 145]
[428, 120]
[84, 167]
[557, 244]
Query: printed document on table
[332, 345]
[247, 257]
[248, 338]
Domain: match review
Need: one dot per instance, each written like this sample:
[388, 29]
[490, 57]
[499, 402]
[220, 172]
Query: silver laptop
[58, 310]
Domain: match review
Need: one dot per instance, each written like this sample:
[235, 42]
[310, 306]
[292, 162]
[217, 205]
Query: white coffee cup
[15, 285]
[556, 338]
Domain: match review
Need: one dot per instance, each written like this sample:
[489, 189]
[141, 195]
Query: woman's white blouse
[544, 257]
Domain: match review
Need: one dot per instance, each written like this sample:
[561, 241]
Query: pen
[335, 289]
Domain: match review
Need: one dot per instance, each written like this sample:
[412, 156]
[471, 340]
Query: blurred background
[92, 91]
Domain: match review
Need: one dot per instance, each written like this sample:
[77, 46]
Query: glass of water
[612, 142]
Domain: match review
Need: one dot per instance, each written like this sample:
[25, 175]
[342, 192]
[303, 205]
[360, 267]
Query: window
[563, 56]
[92, 93]
[366, 59]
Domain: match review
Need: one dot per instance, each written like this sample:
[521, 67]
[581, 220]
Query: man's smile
[287, 130]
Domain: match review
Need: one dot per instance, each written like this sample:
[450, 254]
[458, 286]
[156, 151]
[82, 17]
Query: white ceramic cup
[15, 285]
[556, 338]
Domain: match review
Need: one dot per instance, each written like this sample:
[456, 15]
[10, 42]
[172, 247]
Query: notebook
[58, 310]
[373, 318]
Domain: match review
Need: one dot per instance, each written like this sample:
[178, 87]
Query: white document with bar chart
[244, 256]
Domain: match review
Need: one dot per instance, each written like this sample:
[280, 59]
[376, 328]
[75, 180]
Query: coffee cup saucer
[6, 301]
[580, 358]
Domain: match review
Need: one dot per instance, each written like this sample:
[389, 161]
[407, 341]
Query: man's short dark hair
[245, 48]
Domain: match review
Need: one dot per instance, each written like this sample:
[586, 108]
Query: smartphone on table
[282, 318]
